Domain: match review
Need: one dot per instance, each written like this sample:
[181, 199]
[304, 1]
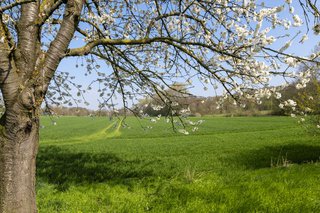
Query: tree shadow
[62, 167]
[279, 156]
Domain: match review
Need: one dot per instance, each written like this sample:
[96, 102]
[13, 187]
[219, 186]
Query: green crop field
[241, 164]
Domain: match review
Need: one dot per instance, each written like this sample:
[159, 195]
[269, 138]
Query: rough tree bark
[20, 122]
[25, 74]
[18, 141]
[18, 149]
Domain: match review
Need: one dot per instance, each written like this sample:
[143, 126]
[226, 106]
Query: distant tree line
[71, 111]
[199, 106]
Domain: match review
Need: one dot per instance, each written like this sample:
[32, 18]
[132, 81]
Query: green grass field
[241, 164]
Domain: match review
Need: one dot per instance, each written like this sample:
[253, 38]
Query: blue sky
[305, 49]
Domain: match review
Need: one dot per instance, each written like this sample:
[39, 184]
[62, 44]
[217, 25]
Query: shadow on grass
[62, 167]
[279, 156]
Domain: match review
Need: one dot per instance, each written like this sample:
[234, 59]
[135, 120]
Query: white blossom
[183, 131]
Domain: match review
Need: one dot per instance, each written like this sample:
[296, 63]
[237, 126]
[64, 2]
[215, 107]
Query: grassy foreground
[257, 164]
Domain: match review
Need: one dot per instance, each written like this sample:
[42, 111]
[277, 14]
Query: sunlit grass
[242, 164]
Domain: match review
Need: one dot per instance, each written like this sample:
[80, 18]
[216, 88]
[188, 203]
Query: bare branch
[14, 4]
[46, 10]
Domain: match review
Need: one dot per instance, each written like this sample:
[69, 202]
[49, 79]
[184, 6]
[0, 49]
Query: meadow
[239, 164]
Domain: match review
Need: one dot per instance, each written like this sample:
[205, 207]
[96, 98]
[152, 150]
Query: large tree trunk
[25, 74]
[18, 149]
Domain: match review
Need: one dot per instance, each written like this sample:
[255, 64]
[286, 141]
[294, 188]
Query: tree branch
[14, 4]
[106, 41]
[60, 44]
[28, 38]
[46, 10]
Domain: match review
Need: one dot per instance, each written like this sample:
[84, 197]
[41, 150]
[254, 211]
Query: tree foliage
[150, 45]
